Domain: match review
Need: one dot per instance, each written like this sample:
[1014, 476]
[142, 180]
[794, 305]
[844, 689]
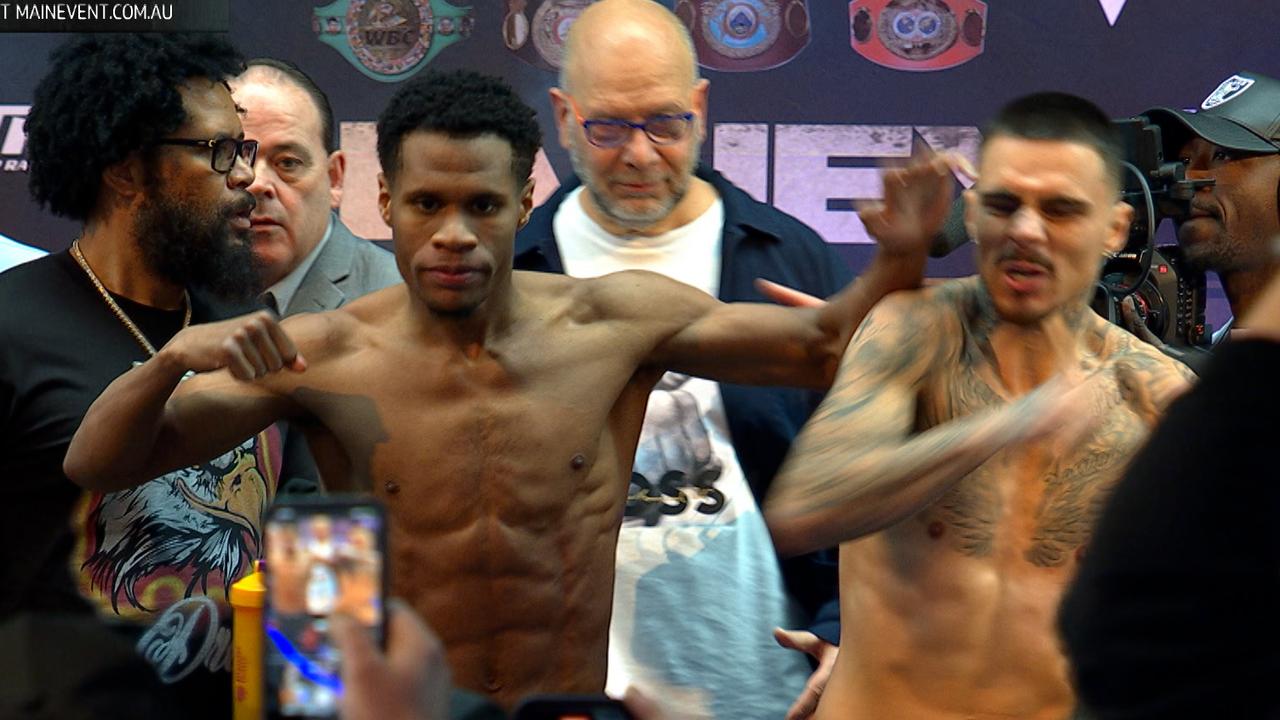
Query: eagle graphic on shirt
[165, 553]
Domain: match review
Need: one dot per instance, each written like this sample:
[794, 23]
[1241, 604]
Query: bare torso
[950, 613]
[504, 470]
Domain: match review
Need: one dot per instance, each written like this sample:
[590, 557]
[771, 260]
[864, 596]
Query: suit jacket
[348, 267]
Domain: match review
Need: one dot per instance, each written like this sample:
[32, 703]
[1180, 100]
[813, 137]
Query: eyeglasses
[664, 129]
[225, 151]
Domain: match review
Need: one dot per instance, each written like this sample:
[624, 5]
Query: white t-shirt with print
[698, 587]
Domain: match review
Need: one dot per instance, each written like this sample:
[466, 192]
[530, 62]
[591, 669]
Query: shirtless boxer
[495, 412]
[968, 496]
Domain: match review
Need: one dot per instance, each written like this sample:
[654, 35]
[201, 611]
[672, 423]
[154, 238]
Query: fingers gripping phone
[325, 555]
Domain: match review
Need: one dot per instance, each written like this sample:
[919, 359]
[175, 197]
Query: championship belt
[391, 40]
[540, 41]
[920, 35]
[743, 35]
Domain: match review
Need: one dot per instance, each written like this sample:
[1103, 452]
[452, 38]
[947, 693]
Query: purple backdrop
[805, 135]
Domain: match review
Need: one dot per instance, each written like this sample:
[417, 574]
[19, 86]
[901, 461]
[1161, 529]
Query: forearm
[797, 347]
[764, 344]
[845, 311]
[754, 344]
[120, 433]
[833, 489]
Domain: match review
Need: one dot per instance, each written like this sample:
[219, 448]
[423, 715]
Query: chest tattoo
[1078, 483]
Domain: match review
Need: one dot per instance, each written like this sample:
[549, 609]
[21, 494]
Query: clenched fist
[250, 346]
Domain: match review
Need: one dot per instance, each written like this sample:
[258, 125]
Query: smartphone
[571, 707]
[325, 554]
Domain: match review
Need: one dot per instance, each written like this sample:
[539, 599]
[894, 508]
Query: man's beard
[638, 219]
[196, 247]
[1221, 254]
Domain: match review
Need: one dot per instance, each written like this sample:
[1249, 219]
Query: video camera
[1169, 295]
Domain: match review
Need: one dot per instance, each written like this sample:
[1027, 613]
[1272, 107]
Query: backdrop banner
[808, 98]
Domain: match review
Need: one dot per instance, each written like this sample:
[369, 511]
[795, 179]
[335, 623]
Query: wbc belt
[744, 35]
[391, 40]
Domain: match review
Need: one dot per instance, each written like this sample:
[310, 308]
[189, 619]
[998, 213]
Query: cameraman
[1234, 139]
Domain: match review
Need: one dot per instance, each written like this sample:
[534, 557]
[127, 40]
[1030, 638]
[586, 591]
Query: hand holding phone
[410, 681]
[326, 555]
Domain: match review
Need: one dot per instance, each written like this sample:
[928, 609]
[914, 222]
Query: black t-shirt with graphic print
[156, 560]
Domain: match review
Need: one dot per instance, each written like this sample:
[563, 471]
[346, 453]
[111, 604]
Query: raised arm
[136, 431]
[764, 344]
[861, 464]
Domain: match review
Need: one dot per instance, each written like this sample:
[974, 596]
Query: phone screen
[322, 558]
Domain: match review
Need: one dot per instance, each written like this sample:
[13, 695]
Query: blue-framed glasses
[663, 129]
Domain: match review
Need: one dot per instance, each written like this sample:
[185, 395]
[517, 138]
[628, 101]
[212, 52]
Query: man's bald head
[630, 64]
[641, 32]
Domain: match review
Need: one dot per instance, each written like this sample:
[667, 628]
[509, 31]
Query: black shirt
[1176, 610]
[156, 560]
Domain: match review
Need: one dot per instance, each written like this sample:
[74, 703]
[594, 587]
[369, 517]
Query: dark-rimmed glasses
[661, 129]
[224, 151]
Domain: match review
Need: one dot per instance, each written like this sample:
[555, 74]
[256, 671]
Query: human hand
[916, 201]
[1063, 409]
[822, 651]
[784, 295]
[1132, 321]
[250, 346]
[409, 682]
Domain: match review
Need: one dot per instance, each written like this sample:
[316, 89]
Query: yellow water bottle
[248, 595]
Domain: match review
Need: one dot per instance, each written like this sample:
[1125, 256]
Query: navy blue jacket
[759, 241]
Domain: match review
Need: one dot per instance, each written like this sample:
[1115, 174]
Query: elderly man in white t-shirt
[699, 587]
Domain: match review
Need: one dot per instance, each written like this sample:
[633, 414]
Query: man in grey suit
[310, 260]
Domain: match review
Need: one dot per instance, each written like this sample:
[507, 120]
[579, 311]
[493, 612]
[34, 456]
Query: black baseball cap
[1243, 113]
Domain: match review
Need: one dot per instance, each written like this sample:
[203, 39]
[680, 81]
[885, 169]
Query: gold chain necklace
[119, 313]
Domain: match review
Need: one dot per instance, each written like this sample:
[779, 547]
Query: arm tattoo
[858, 417]
[919, 475]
